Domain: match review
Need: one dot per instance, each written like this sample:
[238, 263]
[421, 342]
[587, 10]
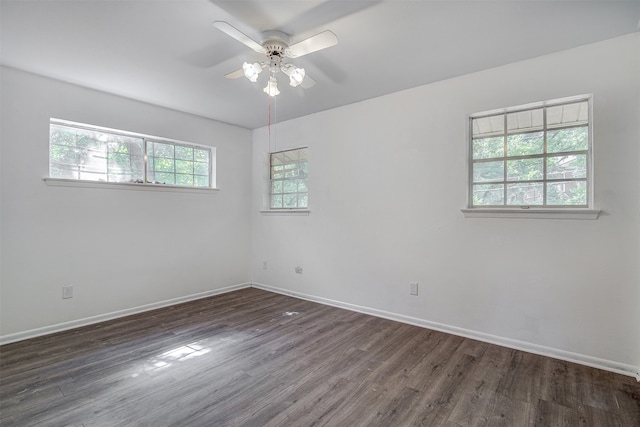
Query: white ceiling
[168, 53]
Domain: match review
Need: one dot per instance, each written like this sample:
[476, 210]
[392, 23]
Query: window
[89, 153]
[537, 156]
[289, 173]
[178, 164]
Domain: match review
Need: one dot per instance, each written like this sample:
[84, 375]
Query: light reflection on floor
[174, 356]
[165, 360]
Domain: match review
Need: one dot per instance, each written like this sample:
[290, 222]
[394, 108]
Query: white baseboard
[594, 362]
[32, 333]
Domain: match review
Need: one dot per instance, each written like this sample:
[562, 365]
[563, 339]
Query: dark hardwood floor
[254, 358]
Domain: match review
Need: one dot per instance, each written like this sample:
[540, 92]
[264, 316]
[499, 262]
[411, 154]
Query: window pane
[488, 126]
[488, 171]
[304, 169]
[291, 173]
[568, 114]
[92, 176]
[303, 200]
[277, 172]
[276, 201]
[290, 200]
[201, 155]
[62, 154]
[525, 120]
[184, 153]
[184, 179]
[524, 169]
[569, 193]
[488, 194]
[302, 185]
[525, 144]
[184, 166]
[571, 139]
[124, 168]
[126, 164]
[561, 167]
[290, 186]
[201, 181]
[165, 178]
[163, 165]
[163, 150]
[276, 187]
[201, 168]
[524, 194]
[60, 172]
[62, 135]
[487, 148]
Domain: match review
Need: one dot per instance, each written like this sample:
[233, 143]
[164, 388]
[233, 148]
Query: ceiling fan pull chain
[269, 121]
[275, 120]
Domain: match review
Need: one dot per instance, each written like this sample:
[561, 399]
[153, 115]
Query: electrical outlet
[299, 270]
[413, 288]
[67, 292]
[265, 265]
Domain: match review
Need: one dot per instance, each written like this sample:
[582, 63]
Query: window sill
[284, 212]
[60, 182]
[535, 213]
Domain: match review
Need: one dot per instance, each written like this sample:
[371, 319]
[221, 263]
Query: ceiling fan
[276, 48]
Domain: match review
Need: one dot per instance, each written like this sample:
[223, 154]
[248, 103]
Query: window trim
[83, 183]
[69, 182]
[539, 213]
[285, 212]
[533, 211]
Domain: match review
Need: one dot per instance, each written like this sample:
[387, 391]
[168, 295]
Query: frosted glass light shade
[251, 71]
[271, 88]
[296, 77]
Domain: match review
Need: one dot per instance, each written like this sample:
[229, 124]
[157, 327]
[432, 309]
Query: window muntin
[289, 171]
[537, 157]
[89, 153]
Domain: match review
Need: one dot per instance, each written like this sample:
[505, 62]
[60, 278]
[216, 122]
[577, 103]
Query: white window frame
[587, 211]
[144, 183]
[283, 180]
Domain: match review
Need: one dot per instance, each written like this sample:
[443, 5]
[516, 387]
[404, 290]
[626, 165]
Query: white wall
[120, 249]
[388, 180]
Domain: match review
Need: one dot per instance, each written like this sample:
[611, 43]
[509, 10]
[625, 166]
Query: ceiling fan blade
[232, 31]
[315, 43]
[235, 74]
[308, 82]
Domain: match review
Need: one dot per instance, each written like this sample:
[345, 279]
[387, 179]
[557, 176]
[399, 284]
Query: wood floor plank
[255, 358]
[549, 414]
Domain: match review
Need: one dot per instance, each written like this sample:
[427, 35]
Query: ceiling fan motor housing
[275, 42]
[274, 45]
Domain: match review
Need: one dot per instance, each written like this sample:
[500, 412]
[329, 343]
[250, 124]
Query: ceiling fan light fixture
[296, 77]
[271, 88]
[276, 47]
[251, 71]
